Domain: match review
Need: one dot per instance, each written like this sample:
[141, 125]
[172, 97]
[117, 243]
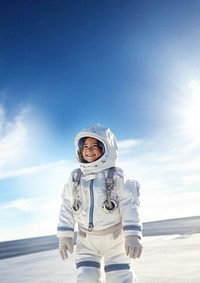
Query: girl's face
[91, 150]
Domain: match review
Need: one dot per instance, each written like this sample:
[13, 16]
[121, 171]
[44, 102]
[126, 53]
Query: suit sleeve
[129, 205]
[66, 220]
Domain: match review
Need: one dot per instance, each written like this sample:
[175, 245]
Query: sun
[190, 114]
[193, 118]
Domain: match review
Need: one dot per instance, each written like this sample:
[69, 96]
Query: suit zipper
[91, 212]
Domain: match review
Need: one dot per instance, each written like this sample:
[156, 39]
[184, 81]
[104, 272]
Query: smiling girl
[106, 208]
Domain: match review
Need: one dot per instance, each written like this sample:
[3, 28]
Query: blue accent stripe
[132, 227]
[88, 264]
[61, 228]
[114, 267]
[91, 224]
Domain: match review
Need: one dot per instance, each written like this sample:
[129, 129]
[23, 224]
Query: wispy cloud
[191, 179]
[13, 136]
[168, 171]
[129, 144]
[19, 204]
[51, 206]
[29, 205]
[33, 170]
[25, 218]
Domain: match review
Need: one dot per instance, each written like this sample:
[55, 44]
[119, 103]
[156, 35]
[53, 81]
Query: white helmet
[107, 143]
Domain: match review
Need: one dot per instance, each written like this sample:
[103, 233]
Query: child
[105, 207]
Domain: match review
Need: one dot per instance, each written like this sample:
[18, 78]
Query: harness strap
[77, 177]
[109, 186]
[76, 182]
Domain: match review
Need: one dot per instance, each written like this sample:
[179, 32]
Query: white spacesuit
[109, 225]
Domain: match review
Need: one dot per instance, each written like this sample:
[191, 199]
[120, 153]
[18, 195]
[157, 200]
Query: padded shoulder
[134, 187]
[119, 172]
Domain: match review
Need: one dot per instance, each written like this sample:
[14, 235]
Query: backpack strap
[109, 186]
[77, 177]
[76, 181]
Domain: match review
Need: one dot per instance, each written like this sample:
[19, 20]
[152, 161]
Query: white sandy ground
[174, 259]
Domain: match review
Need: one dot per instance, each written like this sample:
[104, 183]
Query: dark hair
[80, 155]
[80, 150]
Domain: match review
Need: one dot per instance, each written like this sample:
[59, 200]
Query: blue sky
[133, 66]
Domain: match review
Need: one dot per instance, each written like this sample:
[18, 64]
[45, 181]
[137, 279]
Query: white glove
[133, 246]
[65, 244]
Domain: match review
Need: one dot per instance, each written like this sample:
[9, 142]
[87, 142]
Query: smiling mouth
[90, 155]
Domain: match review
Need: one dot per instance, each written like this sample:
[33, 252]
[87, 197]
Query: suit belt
[106, 231]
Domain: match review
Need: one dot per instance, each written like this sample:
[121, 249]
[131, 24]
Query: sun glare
[193, 118]
[191, 113]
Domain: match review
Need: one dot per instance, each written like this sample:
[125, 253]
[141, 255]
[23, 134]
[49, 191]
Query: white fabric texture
[92, 248]
[127, 210]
